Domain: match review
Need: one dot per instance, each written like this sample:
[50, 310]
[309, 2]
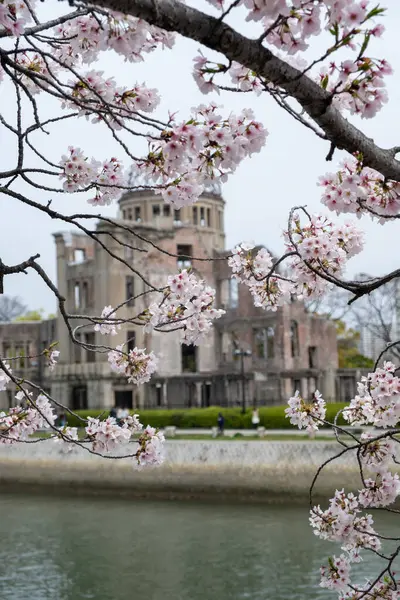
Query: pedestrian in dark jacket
[221, 424]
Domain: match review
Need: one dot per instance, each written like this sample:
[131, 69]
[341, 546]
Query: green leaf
[324, 82]
[365, 44]
[375, 12]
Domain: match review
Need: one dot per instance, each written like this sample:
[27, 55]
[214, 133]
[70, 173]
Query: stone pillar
[198, 393]
[4, 400]
[304, 391]
[62, 285]
[226, 391]
[165, 394]
[60, 391]
[100, 393]
[141, 396]
[328, 385]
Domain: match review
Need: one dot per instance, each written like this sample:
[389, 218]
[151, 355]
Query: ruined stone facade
[21, 346]
[289, 348]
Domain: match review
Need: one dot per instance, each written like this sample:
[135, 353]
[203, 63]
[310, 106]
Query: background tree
[348, 348]
[11, 307]
[32, 315]
[374, 317]
[377, 315]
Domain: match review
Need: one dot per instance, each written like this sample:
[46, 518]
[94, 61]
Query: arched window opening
[294, 338]
[270, 342]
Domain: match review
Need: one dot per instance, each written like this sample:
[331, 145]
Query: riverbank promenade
[234, 470]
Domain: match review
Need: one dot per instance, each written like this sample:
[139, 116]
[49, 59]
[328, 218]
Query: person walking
[120, 413]
[255, 419]
[221, 424]
[62, 420]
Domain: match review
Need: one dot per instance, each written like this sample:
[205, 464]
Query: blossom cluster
[380, 491]
[357, 85]
[106, 435]
[38, 76]
[344, 521]
[81, 173]
[109, 435]
[382, 590]
[136, 365]
[106, 326]
[94, 95]
[378, 399]
[14, 16]
[377, 454]
[83, 38]
[290, 23]
[354, 189]
[321, 247]
[19, 423]
[254, 269]
[52, 357]
[318, 247]
[242, 78]
[4, 377]
[336, 575]
[66, 438]
[306, 415]
[188, 155]
[187, 303]
[151, 447]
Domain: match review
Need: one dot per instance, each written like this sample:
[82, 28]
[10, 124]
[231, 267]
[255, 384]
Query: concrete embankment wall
[255, 471]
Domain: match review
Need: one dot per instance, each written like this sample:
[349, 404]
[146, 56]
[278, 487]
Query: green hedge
[272, 417]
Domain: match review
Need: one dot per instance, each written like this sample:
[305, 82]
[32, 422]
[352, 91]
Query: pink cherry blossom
[378, 453]
[359, 189]
[336, 575]
[85, 37]
[52, 358]
[106, 435]
[187, 304]
[151, 447]
[106, 327]
[67, 439]
[255, 271]
[19, 423]
[4, 378]
[80, 173]
[381, 491]
[205, 148]
[377, 402]
[136, 365]
[308, 415]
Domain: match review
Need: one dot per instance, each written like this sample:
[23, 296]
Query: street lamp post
[242, 353]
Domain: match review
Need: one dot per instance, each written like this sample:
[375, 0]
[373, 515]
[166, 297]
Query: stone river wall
[252, 471]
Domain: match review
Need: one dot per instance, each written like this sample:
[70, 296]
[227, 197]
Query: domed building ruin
[289, 348]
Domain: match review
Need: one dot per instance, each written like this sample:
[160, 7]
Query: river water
[91, 548]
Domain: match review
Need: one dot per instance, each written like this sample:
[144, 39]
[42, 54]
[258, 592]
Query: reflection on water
[74, 549]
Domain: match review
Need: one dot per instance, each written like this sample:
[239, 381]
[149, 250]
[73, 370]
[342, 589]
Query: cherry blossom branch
[172, 15]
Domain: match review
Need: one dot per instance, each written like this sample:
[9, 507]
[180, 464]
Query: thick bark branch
[171, 15]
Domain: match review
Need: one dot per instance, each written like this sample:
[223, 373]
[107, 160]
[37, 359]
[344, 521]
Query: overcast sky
[259, 195]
